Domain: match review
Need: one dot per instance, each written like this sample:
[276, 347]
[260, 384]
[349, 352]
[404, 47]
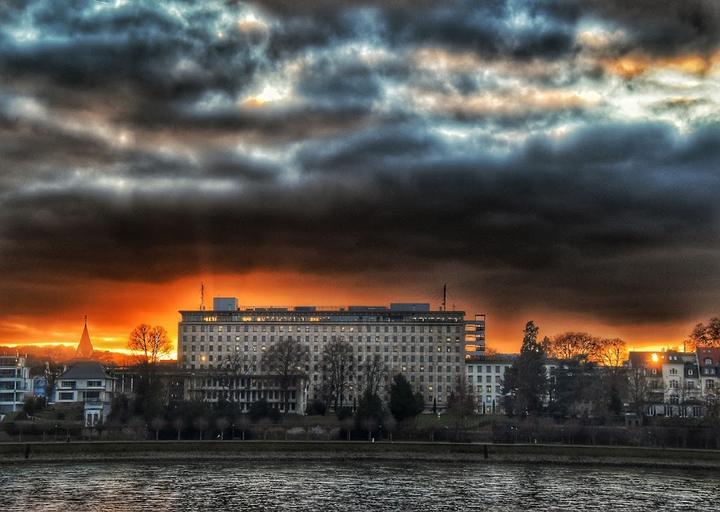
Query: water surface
[333, 486]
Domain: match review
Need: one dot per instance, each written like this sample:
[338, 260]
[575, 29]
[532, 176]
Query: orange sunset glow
[158, 304]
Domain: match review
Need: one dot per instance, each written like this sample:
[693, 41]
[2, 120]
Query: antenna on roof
[444, 302]
[202, 296]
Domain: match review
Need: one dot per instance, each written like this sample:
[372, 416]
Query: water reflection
[334, 486]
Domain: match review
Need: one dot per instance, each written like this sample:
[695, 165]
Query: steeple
[84, 349]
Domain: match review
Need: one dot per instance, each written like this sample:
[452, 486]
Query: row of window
[488, 368]
[323, 328]
[316, 339]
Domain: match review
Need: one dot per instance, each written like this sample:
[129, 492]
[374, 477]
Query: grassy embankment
[109, 451]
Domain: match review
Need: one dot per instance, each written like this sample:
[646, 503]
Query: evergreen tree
[369, 411]
[525, 381]
[403, 402]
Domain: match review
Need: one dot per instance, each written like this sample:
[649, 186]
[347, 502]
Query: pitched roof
[85, 370]
[708, 353]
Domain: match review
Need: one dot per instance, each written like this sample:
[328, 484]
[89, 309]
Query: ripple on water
[333, 486]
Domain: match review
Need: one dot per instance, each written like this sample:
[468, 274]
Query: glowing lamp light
[654, 358]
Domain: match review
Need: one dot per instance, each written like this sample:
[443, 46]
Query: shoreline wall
[183, 451]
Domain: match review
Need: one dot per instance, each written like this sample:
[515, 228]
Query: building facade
[15, 383]
[427, 346]
[88, 384]
[671, 383]
[486, 375]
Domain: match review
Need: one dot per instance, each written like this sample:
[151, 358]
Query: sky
[553, 160]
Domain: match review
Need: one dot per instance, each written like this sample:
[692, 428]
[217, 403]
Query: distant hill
[63, 353]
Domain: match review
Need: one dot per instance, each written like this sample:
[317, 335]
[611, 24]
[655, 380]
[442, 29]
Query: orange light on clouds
[631, 66]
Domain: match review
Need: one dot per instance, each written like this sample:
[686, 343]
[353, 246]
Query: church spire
[84, 349]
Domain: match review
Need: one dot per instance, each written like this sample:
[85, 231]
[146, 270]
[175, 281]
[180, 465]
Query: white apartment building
[86, 383]
[15, 383]
[427, 346]
[485, 376]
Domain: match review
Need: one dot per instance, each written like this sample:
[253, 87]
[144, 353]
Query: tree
[638, 389]
[259, 409]
[613, 353]
[149, 345]
[389, 424]
[222, 424]
[575, 387]
[369, 412]
[178, 423]
[403, 402]
[525, 381]
[374, 371]
[570, 345]
[461, 404]
[707, 336]
[201, 424]
[286, 359]
[157, 424]
[337, 363]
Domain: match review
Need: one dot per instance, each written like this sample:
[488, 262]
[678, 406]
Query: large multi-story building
[427, 346]
[15, 383]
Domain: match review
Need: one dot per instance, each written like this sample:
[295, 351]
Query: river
[333, 486]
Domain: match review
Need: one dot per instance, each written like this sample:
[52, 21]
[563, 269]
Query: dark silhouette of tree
[157, 425]
[461, 404]
[638, 389]
[201, 424]
[337, 362]
[374, 372]
[707, 336]
[369, 412]
[286, 361]
[571, 345]
[575, 386]
[613, 353]
[525, 382]
[404, 403]
[149, 345]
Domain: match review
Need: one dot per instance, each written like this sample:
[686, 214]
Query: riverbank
[109, 451]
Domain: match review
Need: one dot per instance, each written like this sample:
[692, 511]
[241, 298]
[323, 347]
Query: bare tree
[570, 345]
[337, 362]
[612, 353]
[286, 359]
[638, 389]
[149, 345]
[374, 371]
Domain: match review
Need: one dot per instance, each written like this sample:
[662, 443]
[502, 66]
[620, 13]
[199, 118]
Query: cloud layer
[550, 154]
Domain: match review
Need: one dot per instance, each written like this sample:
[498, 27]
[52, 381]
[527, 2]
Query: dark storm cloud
[657, 28]
[136, 144]
[599, 223]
